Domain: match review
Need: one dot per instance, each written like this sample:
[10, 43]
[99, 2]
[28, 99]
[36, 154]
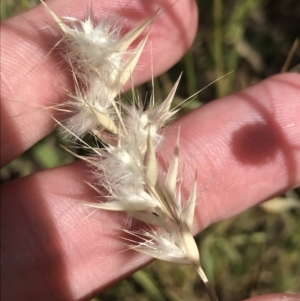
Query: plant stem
[209, 290]
[218, 47]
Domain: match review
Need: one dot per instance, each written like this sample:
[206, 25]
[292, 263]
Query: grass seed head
[125, 169]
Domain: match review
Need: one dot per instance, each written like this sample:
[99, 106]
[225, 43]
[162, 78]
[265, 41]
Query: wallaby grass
[258, 251]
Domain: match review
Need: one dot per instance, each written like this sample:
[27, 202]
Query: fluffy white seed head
[125, 169]
[91, 45]
[162, 244]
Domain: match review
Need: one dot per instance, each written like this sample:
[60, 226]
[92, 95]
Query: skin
[50, 250]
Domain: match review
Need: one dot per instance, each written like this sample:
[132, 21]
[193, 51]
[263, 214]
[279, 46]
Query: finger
[31, 80]
[245, 148]
[276, 297]
[61, 243]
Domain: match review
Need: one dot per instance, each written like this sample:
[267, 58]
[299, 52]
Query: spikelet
[100, 60]
[125, 168]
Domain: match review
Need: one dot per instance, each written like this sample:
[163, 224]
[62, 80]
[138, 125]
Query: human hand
[252, 147]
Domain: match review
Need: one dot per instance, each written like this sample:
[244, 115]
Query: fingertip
[248, 141]
[275, 297]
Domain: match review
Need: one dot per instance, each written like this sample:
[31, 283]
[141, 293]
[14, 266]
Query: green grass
[258, 251]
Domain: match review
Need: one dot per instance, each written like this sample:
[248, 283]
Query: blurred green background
[258, 251]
